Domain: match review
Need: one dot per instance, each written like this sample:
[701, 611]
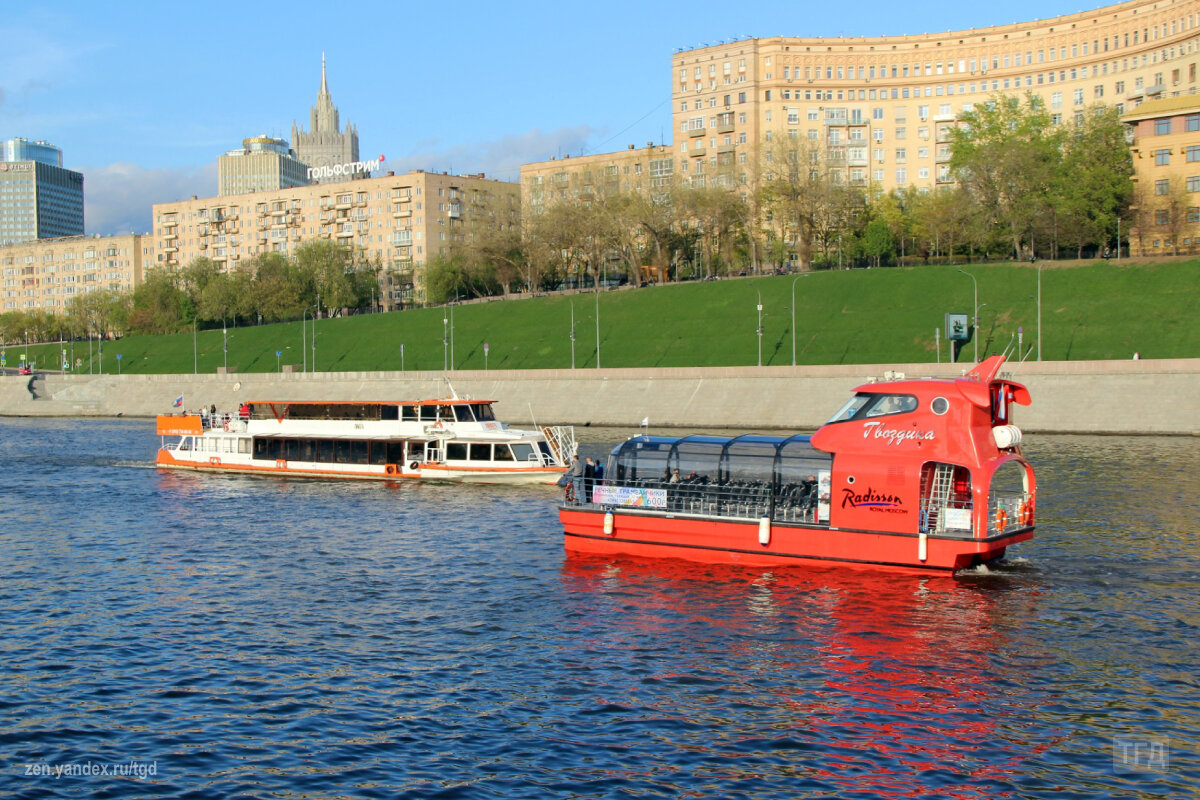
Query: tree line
[320, 277]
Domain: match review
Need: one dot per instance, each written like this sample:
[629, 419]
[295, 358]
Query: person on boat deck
[598, 472]
[244, 411]
[674, 476]
[589, 473]
[577, 472]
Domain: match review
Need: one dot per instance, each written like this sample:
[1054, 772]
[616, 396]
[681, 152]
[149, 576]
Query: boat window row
[769, 460]
[465, 412]
[215, 444]
[338, 451]
[458, 412]
[368, 451]
[865, 405]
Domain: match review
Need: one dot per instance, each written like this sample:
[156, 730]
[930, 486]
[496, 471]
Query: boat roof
[449, 401]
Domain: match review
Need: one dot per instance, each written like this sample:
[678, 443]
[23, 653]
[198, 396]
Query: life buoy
[414, 465]
[391, 469]
[438, 424]
[1026, 513]
[1001, 519]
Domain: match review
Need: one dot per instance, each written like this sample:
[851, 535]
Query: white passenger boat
[451, 439]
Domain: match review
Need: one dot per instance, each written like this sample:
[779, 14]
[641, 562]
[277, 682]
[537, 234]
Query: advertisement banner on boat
[629, 496]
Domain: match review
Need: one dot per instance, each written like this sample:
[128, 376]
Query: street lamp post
[572, 333]
[445, 341]
[225, 344]
[798, 277]
[402, 356]
[195, 351]
[975, 314]
[597, 327]
[759, 329]
[1039, 308]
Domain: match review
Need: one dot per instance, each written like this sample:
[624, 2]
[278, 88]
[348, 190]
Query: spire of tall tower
[324, 115]
[324, 83]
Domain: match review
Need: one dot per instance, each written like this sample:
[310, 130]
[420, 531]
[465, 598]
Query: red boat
[922, 474]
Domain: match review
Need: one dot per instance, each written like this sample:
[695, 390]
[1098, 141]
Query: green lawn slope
[1090, 310]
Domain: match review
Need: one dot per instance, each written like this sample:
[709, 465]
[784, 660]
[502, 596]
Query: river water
[178, 635]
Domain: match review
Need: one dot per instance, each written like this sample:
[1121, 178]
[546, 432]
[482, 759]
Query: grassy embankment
[1090, 310]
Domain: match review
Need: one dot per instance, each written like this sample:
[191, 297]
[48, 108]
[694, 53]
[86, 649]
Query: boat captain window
[865, 405]
[483, 412]
[463, 414]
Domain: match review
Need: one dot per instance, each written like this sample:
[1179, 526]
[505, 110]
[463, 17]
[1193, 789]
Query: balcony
[398, 213]
[696, 132]
[726, 127]
[344, 234]
[697, 152]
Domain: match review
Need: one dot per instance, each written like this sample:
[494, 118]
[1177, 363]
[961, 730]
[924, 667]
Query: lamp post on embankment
[975, 314]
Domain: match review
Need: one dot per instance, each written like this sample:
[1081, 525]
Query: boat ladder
[939, 496]
[561, 439]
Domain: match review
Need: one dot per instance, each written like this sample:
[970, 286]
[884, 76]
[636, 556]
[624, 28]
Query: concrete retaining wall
[1118, 397]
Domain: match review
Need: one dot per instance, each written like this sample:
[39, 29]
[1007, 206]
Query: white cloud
[500, 159]
[118, 197]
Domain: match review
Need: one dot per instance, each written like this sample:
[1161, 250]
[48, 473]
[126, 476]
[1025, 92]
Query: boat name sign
[895, 435]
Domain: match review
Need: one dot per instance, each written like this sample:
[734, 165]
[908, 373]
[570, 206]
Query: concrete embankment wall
[1117, 397]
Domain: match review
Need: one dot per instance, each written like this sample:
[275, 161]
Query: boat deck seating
[793, 502]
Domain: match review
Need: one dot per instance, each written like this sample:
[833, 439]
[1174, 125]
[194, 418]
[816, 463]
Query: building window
[1193, 183]
[1162, 186]
[1192, 123]
[1162, 127]
[1193, 214]
[1193, 152]
[1162, 217]
[1162, 157]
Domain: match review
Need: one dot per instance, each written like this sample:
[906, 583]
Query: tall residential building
[262, 164]
[395, 221]
[1165, 139]
[46, 275]
[880, 109]
[324, 145]
[39, 199]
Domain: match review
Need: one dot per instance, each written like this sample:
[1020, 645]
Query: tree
[1094, 186]
[159, 305]
[799, 192]
[1005, 156]
[877, 241]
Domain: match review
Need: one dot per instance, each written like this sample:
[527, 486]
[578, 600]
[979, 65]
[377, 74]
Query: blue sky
[143, 97]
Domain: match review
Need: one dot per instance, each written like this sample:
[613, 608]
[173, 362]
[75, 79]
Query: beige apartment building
[640, 170]
[880, 108]
[1165, 219]
[396, 221]
[45, 274]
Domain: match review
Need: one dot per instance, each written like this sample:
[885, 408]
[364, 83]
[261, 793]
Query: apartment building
[880, 109]
[640, 170]
[1165, 141]
[46, 274]
[396, 221]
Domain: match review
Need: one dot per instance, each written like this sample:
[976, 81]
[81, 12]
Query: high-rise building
[324, 145]
[19, 149]
[39, 199]
[262, 164]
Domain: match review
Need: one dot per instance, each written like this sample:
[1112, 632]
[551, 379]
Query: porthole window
[940, 405]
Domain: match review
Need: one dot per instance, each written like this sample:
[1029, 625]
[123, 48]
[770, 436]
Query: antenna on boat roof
[532, 417]
[450, 386]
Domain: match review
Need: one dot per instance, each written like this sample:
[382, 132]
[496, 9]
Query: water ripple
[251, 637]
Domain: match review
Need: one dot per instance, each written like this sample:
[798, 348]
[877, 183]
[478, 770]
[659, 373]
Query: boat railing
[1008, 511]
[747, 499]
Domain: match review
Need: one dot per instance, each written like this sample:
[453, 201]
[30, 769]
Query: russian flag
[178, 402]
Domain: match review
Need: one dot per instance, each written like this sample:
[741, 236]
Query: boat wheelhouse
[453, 439]
[924, 474]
